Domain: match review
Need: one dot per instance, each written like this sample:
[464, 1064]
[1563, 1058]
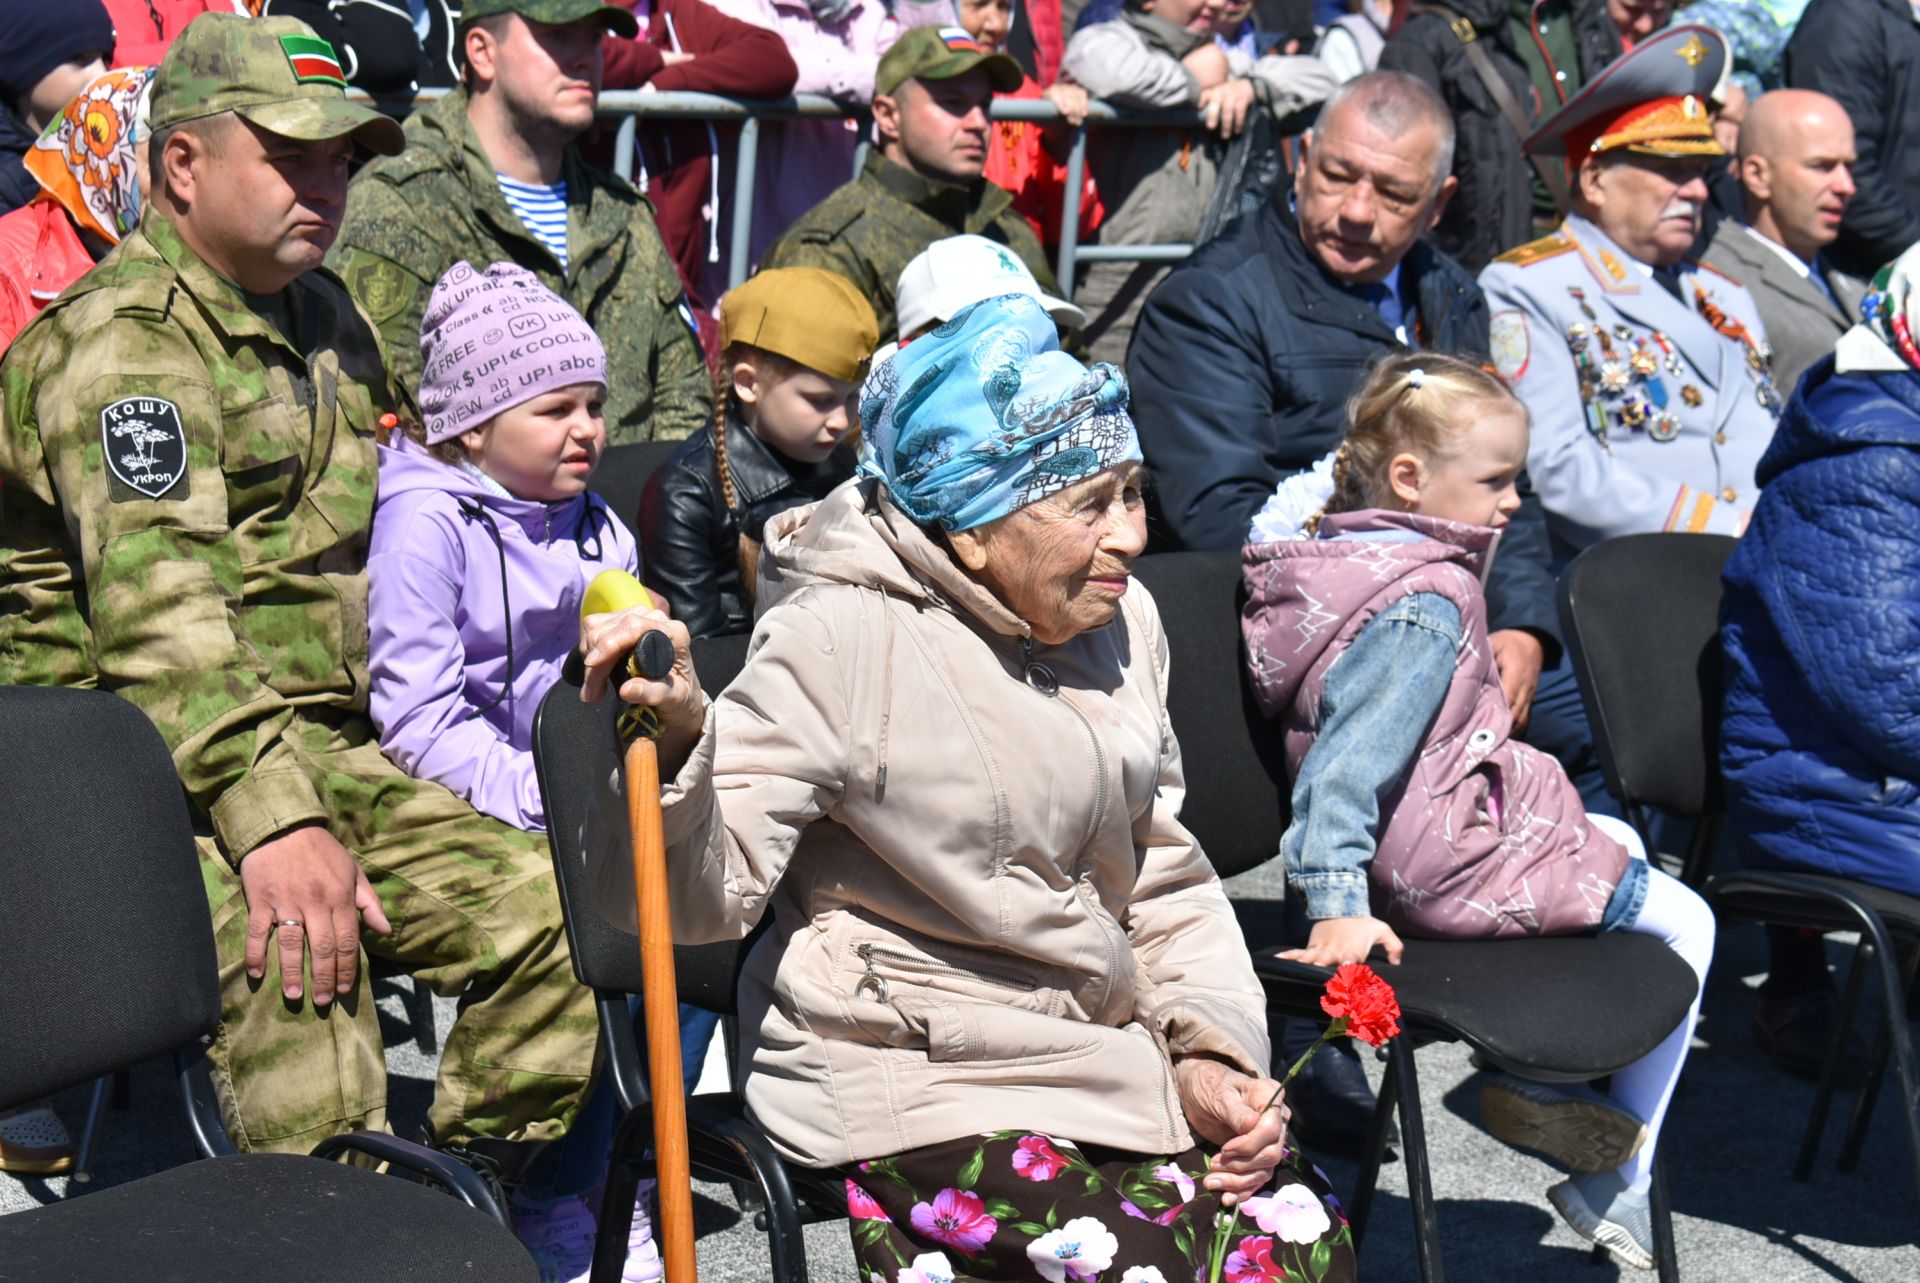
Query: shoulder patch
[1701, 265]
[1534, 251]
[145, 448]
[382, 286]
[1512, 347]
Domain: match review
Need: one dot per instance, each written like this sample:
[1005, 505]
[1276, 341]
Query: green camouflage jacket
[184, 507]
[868, 230]
[411, 217]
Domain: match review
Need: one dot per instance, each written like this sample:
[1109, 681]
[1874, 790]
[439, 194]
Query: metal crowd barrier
[629, 106]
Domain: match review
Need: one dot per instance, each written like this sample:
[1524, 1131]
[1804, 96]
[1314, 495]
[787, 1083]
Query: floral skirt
[1016, 1205]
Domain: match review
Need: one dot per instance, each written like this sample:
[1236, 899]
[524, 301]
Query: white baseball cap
[951, 273]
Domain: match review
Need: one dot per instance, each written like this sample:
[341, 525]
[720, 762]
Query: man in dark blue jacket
[1245, 356]
[1241, 366]
[1821, 741]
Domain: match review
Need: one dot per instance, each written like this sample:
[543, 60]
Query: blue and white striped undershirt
[543, 210]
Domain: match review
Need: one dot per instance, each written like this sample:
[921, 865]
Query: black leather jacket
[690, 540]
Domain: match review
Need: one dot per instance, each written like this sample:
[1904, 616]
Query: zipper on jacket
[872, 979]
[1041, 678]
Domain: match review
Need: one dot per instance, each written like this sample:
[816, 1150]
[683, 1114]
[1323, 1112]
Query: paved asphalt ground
[1739, 1217]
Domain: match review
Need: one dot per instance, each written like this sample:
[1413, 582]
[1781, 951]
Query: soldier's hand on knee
[309, 891]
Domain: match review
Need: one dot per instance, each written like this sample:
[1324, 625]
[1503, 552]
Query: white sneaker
[643, 1254]
[1603, 1212]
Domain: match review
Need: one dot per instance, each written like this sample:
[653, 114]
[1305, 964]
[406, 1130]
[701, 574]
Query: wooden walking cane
[639, 729]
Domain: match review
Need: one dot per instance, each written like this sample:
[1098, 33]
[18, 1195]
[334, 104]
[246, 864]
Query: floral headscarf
[1888, 336]
[85, 159]
[986, 414]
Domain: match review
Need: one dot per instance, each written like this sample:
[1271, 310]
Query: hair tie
[1415, 377]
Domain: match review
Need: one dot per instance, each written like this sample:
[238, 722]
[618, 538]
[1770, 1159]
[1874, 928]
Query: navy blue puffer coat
[1821, 744]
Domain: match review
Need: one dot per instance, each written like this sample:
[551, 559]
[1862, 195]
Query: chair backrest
[107, 958]
[572, 739]
[622, 476]
[1641, 614]
[1235, 760]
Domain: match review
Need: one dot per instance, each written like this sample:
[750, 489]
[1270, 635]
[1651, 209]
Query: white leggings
[1677, 915]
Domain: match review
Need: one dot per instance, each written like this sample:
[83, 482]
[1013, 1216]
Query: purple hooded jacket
[437, 617]
[1483, 835]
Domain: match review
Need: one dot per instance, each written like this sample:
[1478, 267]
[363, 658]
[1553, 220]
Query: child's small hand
[1335, 941]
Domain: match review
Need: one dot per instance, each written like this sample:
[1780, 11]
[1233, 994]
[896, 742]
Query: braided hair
[771, 368]
[1411, 401]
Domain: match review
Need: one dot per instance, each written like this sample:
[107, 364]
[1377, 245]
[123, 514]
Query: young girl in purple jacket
[1414, 808]
[484, 536]
[484, 541]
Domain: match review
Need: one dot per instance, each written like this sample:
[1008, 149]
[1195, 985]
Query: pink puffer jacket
[1484, 836]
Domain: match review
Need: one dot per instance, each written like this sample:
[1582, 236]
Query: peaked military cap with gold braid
[1655, 101]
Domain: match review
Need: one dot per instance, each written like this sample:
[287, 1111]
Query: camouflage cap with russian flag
[273, 72]
[1656, 100]
[941, 53]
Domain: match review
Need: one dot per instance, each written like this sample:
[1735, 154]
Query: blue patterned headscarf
[986, 414]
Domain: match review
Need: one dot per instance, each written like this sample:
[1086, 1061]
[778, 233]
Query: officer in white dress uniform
[1646, 375]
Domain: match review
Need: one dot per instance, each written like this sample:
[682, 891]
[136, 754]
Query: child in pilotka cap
[795, 345]
[484, 535]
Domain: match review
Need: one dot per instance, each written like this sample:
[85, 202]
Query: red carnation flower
[1359, 996]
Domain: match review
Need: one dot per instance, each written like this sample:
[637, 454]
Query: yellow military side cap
[272, 72]
[806, 314]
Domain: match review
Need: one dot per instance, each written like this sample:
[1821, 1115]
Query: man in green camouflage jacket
[533, 73]
[186, 486]
[923, 183]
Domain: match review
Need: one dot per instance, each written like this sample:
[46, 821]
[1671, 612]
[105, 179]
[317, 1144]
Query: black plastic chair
[1506, 999]
[1641, 616]
[109, 961]
[570, 740]
[622, 476]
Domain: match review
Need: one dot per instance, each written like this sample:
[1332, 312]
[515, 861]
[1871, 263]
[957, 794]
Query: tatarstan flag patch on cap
[313, 60]
[957, 38]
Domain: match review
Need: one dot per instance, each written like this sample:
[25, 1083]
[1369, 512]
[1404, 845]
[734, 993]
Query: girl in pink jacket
[1414, 808]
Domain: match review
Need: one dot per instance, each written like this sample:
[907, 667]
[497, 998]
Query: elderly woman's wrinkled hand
[1227, 1109]
[605, 642]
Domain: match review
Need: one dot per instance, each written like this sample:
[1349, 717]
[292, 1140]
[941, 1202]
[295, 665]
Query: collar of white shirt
[1787, 256]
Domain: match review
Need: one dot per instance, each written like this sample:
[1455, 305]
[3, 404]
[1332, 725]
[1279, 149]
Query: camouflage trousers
[475, 915]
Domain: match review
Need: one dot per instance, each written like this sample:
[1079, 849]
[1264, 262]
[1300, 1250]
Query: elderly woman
[1003, 991]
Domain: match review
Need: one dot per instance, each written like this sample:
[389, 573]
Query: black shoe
[1333, 1103]
[1794, 1030]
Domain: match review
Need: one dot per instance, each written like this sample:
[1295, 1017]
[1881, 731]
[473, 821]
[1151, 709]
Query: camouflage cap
[941, 53]
[273, 72]
[620, 22]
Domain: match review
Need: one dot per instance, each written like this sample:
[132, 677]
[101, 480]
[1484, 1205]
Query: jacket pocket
[890, 970]
[970, 1032]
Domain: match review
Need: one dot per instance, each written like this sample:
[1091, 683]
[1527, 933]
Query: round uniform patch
[1507, 334]
[145, 446]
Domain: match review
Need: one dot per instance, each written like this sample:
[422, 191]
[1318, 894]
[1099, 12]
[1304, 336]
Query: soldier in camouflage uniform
[187, 465]
[923, 183]
[413, 216]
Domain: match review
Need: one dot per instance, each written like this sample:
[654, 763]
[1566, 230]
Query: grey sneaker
[1574, 1126]
[1598, 1208]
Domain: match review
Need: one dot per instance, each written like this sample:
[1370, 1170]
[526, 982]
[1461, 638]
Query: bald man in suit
[1795, 162]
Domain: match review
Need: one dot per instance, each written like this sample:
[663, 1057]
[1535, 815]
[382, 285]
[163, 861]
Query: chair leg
[614, 1217]
[82, 1171]
[1836, 1054]
[780, 1207]
[1893, 1038]
[1401, 1087]
[420, 1008]
[1665, 1261]
[1370, 1157]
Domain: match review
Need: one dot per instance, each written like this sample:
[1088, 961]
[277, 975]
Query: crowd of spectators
[302, 398]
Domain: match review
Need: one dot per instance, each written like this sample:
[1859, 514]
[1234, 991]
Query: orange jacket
[40, 255]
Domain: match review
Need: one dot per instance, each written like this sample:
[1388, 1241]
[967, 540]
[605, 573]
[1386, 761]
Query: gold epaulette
[1533, 251]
